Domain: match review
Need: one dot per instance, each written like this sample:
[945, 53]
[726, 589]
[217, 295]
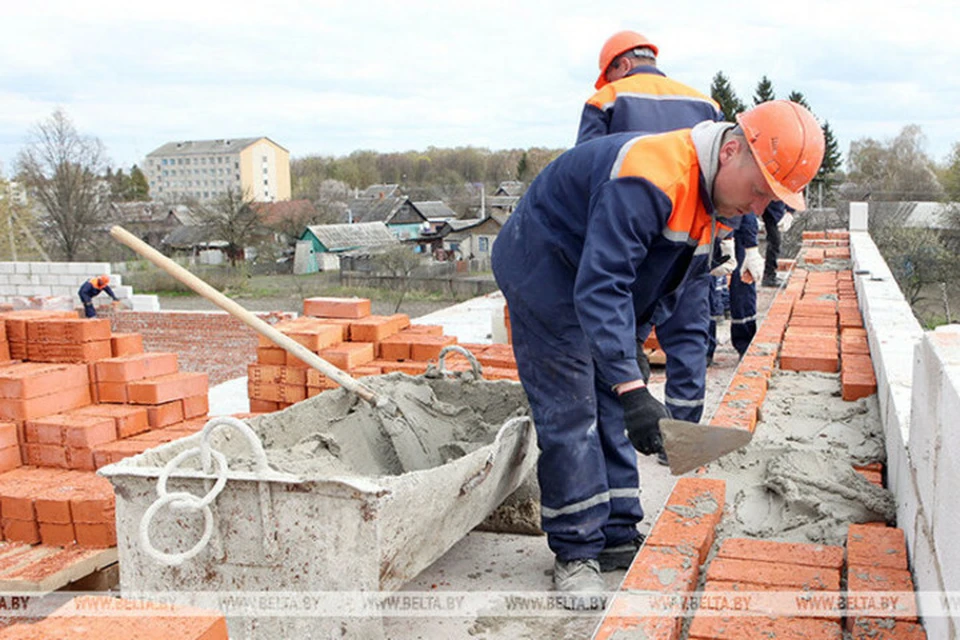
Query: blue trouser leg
[743, 309]
[589, 483]
[716, 312]
[684, 338]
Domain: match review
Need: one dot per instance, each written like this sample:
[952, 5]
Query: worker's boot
[620, 556]
[580, 584]
[770, 281]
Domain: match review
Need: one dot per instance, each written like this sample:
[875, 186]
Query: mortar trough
[336, 501]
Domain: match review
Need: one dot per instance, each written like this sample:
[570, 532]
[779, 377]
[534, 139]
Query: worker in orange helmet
[91, 289]
[607, 234]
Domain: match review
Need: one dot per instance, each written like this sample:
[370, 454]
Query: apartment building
[204, 170]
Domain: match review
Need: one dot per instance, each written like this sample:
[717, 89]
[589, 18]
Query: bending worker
[91, 289]
[634, 95]
[607, 232]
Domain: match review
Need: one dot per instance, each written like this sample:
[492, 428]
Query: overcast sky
[330, 77]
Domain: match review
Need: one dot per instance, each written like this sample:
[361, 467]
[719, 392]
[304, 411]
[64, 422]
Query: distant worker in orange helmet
[91, 289]
[634, 95]
[606, 235]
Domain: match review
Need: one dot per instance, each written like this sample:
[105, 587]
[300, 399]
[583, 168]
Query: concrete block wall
[54, 279]
[918, 387]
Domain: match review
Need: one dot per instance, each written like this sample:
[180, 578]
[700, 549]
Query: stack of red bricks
[877, 569]
[669, 561]
[57, 507]
[343, 332]
[825, 331]
[106, 618]
[94, 399]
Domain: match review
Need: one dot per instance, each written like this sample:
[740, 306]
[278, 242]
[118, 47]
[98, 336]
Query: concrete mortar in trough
[339, 498]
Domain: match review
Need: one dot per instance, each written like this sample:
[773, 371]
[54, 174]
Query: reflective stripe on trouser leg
[557, 373]
[743, 312]
[716, 313]
[620, 459]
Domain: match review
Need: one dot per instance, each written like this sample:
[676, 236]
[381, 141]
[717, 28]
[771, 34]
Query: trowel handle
[263, 328]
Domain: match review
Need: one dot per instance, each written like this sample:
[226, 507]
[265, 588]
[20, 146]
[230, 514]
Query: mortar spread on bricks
[795, 481]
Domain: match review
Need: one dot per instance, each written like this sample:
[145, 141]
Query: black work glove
[642, 413]
[643, 362]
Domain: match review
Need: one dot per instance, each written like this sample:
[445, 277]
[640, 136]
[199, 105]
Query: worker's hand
[785, 222]
[728, 263]
[115, 304]
[641, 414]
[752, 266]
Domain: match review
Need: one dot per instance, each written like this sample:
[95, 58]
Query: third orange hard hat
[615, 45]
[787, 142]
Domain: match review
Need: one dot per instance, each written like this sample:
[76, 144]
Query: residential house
[320, 244]
[472, 238]
[204, 170]
[399, 213]
[150, 221]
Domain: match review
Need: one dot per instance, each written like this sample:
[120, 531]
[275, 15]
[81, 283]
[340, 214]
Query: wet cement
[795, 481]
[338, 434]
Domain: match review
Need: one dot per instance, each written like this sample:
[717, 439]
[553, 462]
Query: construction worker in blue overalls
[607, 234]
[91, 289]
[634, 95]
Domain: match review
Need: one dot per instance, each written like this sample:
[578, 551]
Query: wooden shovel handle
[283, 341]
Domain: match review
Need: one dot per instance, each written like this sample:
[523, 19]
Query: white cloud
[330, 77]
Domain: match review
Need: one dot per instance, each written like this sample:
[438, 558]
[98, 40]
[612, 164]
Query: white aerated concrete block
[143, 302]
[122, 291]
[858, 216]
[21, 267]
[925, 436]
[49, 279]
[39, 267]
[8, 267]
[78, 268]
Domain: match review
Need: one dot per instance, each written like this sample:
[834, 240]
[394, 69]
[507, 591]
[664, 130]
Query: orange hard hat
[104, 280]
[787, 143]
[619, 43]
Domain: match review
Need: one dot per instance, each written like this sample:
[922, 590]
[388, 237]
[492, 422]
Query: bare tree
[400, 262]
[232, 219]
[62, 170]
[899, 169]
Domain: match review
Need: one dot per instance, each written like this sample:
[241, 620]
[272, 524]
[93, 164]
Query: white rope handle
[184, 501]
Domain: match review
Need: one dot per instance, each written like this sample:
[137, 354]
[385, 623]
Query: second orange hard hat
[616, 44]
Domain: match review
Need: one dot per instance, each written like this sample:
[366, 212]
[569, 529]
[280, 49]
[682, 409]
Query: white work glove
[752, 266]
[728, 266]
[785, 222]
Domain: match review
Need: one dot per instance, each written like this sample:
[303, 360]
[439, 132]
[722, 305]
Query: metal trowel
[690, 445]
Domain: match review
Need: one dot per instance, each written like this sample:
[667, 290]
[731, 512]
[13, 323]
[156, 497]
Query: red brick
[166, 388]
[80, 352]
[99, 535]
[125, 344]
[349, 354]
[876, 547]
[395, 347]
[80, 458]
[10, 458]
[712, 627]
[810, 555]
[196, 406]
[21, 530]
[424, 329]
[690, 516]
[314, 336]
[808, 362]
[774, 574]
[409, 368]
[879, 580]
[263, 406]
[375, 328]
[136, 367]
[663, 569]
[884, 629]
[428, 347]
[619, 624]
[68, 330]
[32, 379]
[273, 374]
[86, 431]
[57, 534]
[271, 356]
[108, 392]
[322, 307]
[129, 420]
[278, 392]
[164, 415]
